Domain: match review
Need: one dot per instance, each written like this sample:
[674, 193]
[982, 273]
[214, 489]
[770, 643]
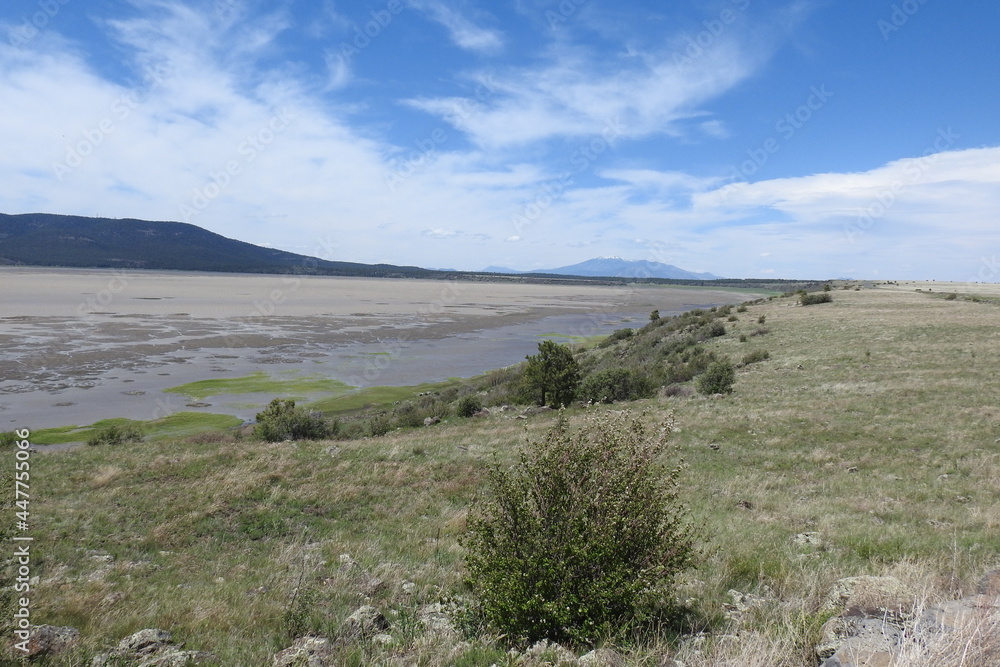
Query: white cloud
[579, 94]
[462, 31]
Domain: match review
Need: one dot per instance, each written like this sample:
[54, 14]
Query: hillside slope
[42, 239]
[865, 445]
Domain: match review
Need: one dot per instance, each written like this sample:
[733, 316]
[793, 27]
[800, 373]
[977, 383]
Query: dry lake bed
[79, 345]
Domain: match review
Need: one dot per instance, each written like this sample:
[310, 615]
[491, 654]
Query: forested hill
[44, 239]
[41, 239]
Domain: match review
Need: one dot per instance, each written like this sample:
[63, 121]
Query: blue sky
[748, 138]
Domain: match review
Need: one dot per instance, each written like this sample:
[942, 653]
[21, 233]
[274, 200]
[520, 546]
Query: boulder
[151, 647]
[365, 622]
[307, 651]
[602, 657]
[870, 592]
[46, 640]
[860, 638]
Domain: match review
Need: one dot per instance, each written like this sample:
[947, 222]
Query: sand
[79, 345]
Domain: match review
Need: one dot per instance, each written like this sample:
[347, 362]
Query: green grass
[874, 424]
[260, 383]
[374, 397]
[177, 425]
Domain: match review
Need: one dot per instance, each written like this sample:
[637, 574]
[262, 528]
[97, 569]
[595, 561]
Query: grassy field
[874, 425]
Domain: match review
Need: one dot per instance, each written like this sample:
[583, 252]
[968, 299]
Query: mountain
[618, 268]
[42, 239]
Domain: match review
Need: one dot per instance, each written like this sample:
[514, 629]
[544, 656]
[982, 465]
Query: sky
[746, 138]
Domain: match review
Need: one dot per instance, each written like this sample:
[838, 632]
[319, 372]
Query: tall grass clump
[581, 539]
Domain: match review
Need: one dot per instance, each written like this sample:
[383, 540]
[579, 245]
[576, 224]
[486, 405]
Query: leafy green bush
[117, 434]
[718, 378]
[552, 374]
[615, 384]
[281, 420]
[755, 357]
[818, 297]
[377, 425]
[581, 539]
[617, 335]
[469, 405]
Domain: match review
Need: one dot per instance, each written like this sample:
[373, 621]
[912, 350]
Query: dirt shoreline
[81, 345]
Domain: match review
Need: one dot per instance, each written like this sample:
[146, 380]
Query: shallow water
[64, 362]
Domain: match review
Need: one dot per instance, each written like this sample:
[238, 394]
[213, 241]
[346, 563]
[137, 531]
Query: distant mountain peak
[618, 267]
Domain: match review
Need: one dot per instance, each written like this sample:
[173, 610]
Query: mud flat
[81, 345]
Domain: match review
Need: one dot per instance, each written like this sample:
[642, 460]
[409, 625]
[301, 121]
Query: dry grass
[873, 424]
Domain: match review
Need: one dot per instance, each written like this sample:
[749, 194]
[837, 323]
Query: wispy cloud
[463, 32]
[578, 94]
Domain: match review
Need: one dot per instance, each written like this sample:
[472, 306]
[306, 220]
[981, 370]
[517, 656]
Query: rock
[602, 657]
[807, 539]
[365, 622]
[409, 587]
[145, 641]
[46, 640]
[151, 647]
[306, 652]
[872, 631]
[990, 583]
[861, 637]
[430, 421]
[536, 410]
[868, 591]
[332, 450]
[481, 413]
[370, 585]
[435, 619]
[548, 653]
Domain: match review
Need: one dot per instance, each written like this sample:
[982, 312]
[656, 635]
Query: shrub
[733, 318]
[718, 378]
[552, 374]
[617, 335]
[281, 420]
[741, 308]
[655, 315]
[951, 297]
[582, 538]
[469, 405]
[378, 425]
[743, 338]
[615, 384]
[811, 299]
[762, 319]
[755, 357]
[117, 434]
